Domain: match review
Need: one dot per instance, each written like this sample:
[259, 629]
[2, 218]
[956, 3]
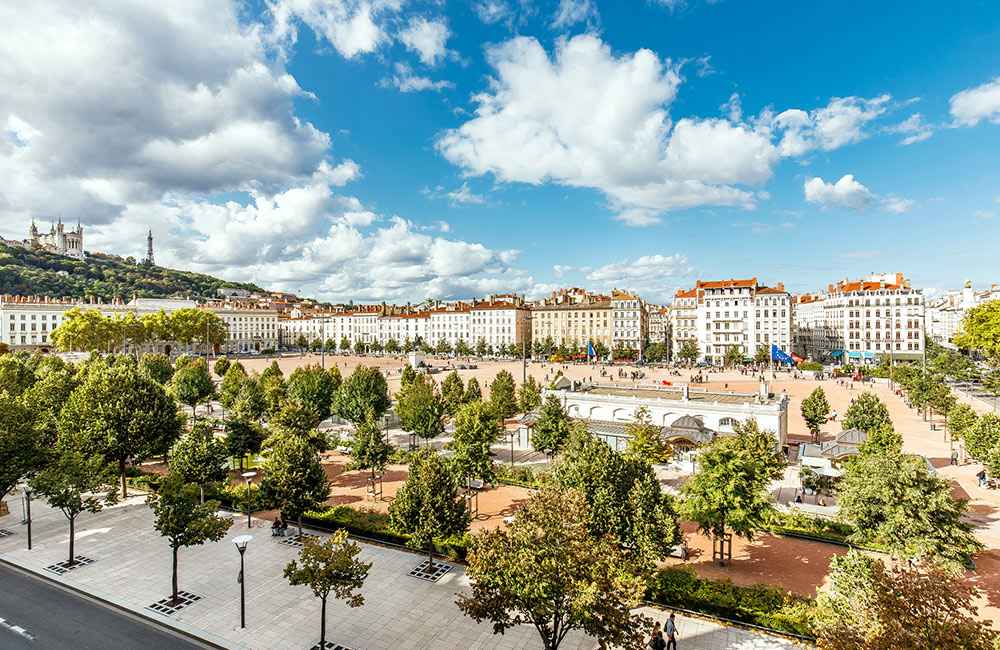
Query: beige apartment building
[573, 317]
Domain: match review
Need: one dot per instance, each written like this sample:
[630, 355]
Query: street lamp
[27, 513]
[241, 546]
[247, 476]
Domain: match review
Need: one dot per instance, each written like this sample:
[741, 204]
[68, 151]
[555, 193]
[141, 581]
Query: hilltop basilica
[57, 240]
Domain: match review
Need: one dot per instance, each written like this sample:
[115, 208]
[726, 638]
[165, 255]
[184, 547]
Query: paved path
[132, 569]
[37, 615]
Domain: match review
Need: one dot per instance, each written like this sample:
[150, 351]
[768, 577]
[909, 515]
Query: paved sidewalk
[132, 570]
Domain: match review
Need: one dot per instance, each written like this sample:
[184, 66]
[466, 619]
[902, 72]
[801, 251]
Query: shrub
[518, 475]
[758, 604]
[810, 365]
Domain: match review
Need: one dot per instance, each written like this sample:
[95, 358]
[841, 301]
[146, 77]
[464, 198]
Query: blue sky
[526, 144]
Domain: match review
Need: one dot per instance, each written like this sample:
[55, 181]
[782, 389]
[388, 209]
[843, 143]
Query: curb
[149, 620]
[801, 638]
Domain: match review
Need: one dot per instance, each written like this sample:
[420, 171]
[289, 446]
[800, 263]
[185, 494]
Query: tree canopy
[815, 411]
[866, 412]
[502, 395]
[981, 331]
[294, 478]
[364, 395]
[420, 408]
[476, 428]
[552, 427]
[316, 387]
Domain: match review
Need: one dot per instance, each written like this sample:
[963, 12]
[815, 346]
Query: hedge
[759, 605]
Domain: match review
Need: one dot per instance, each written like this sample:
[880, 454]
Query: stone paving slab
[132, 569]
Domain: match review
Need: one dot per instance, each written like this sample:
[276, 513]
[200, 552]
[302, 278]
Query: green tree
[369, 449]
[298, 420]
[192, 385]
[85, 330]
[529, 395]
[273, 388]
[815, 411]
[294, 478]
[330, 566]
[473, 392]
[476, 428]
[443, 347]
[407, 376]
[359, 347]
[46, 398]
[894, 500]
[363, 395]
[867, 413]
[503, 395]
[420, 409]
[231, 384]
[546, 570]
[689, 351]
[983, 436]
[734, 356]
[16, 374]
[729, 493]
[75, 482]
[624, 498]
[121, 414]
[552, 427]
[428, 505]
[345, 344]
[157, 366]
[301, 342]
[22, 450]
[870, 606]
[315, 387]
[221, 366]
[250, 403]
[961, 418]
[762, 356]
[199, 458]
[481, 347]
[184, 519]
[462, 348]
[981, 331]
[392, 346]
[453, 392]
[243, 437]
[885, 439]
[645, 440]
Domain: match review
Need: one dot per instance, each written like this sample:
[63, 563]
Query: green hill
[35, 272]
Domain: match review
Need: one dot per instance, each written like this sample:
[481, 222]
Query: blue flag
[590, 350]
[779, 355]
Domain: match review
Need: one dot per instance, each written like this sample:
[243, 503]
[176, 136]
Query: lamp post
[27, 513]
[241, 546]
[247, 476]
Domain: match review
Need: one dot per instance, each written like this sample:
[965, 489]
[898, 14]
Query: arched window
[727, 422]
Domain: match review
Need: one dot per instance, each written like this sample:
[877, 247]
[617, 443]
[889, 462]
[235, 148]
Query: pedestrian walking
[671, 629]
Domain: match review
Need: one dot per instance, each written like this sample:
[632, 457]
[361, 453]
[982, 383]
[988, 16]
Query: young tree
[428, 506]
[623, 496]
[197, 457]
[481, 347]
[688, 351]
[330, 566]
[762, 356]
[369, 449]
[250, 403]
[221, 366]
[730, 490]
[243, 437]
[301, 342]
[529, 395]
[885, 439]
[815, 411]
[157, 366]
[552, 427]
[22, 450]
[121, 414]
[453, 392]
[502, 395]
[866, 412]
[734, 356]
[472, 391]
[645, 442]
[407, 377]
[871, 606]
[192, 385]
[231, 384]
[315, 387]
[75, 482]
[893, 500]
[545, 569]
[462, 348]
[363, 395]
[476, 428]
[359, 347]
[46, 397]
[273, 388]
[981, 331]
[345, 344]
[300, 421]
[294, 478]
[961, 418]
[983, 436]
[420, 409]
[184, 519]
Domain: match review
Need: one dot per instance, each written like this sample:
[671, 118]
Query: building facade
[945, 313]
[629, 327]
[573, 317]
[684, 320]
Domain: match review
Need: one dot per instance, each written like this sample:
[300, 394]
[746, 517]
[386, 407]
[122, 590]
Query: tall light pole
[27, 513]
[241, 546]
[524, 348]
[247, 476]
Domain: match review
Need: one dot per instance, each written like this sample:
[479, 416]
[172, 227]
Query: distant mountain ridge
[26, 272]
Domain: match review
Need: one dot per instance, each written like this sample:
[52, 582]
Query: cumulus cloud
[406, 81]
[839, 123]
[571, 12]
[653, 276]
[428, 38]
[352, 27]
[913, 128]
[973, 105]
[850, 193]
[464, 194]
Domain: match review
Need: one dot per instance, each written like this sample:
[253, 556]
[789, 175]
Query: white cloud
[464, 194]
[973, 105]
[839, 123]
[406, 81]
[849, 193]
[352, 27]
[428, 38]
[983, 215]
[492, 11]
[571, 12]
[650, 275]
[913, 128]
[560, 270]
[719, 151]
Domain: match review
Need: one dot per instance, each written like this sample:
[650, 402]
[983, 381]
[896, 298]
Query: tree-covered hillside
[34, 272]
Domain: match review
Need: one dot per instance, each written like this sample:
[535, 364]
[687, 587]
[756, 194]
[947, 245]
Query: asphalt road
[37, 615]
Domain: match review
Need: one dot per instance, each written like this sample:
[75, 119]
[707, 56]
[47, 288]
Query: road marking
[17, 629]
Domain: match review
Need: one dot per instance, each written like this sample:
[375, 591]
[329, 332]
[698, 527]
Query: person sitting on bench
[278, 528]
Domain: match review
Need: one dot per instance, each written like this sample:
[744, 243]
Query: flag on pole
[590, 350]
[779, 355]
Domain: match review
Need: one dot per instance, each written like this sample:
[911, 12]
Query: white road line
[17, 629]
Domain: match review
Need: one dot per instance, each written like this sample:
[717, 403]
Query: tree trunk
[173, 583]
[121, 470]
[194, 413]
[300, 526]
[72, 534]
[201, 491]
[322, 625]
[430, 556]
